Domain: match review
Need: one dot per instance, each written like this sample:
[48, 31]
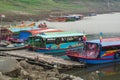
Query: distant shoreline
[18, 17]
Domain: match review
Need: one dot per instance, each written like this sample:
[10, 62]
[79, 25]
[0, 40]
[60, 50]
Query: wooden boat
[23, 25]
[12, 31]
[97, 52]
[24, 34]
[66, 18]
[15, 29]
[55, 42]
[15, 46]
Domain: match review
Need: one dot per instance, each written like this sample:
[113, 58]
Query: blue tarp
[24, 35]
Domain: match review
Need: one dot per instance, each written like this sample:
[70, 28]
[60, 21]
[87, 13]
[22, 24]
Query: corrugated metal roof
[59, 34]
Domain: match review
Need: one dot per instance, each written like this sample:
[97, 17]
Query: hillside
[43, 8]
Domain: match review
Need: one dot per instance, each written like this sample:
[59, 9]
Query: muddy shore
[42, 16]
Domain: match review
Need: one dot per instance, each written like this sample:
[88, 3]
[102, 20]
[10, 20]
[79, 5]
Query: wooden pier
[39, 58]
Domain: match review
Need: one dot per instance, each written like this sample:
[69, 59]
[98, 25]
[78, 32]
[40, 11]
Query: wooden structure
[42, 59]
[5, 33]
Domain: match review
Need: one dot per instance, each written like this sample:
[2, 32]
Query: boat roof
[21, 27]
[41, 30]
[44, 30]
[107, 41]
[59, 34]
[14, 29]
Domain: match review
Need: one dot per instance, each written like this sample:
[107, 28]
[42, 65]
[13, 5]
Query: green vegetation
[39, 6]
[14, 79]
[40, 9]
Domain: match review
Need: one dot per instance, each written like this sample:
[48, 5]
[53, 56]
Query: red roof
[41, 30]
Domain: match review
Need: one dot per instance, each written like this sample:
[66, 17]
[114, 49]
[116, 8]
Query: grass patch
[37, 6]
[15, 79]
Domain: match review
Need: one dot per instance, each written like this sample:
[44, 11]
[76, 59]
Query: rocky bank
[11, 69]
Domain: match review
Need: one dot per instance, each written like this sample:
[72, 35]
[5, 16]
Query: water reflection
[103, 72]
[109, 71]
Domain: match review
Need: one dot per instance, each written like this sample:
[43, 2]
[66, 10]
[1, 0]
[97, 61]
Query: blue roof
[105, 43]
[59, 34]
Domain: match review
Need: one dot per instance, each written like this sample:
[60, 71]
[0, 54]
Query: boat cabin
[5, 33]
[55, 40]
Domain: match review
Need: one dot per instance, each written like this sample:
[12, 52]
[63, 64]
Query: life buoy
[58, 41]
[117, 55]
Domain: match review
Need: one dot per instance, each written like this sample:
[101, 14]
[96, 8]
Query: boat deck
[43, 59]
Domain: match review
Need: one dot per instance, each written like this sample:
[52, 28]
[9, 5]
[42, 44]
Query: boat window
[36, 41]
[90, 46]
[71, 39]
[50, 40]
[92, 50]
[63, 39]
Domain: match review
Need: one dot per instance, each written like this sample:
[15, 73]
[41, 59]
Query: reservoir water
[109, 25]
[110, 71]
[106, 23]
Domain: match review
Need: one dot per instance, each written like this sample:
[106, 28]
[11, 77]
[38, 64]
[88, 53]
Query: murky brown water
[110, 71]
[106, 23]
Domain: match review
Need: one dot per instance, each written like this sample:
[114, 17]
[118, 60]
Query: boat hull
[12, 48]
[94, 60]
[53, 51]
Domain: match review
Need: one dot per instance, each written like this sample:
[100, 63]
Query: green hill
[45, 7]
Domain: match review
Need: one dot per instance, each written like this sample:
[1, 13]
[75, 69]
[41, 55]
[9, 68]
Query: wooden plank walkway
[45, 59]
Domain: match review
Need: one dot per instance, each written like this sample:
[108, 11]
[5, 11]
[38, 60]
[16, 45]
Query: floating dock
[42, 59]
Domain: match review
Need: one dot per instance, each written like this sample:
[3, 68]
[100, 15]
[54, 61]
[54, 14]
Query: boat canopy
[26, 33]
[38, 31]
[107, 41]
[59, 34]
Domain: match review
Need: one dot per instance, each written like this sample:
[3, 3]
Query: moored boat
[66, 18]
[98, 52]
[24, 34]
[6, 46]
[55, 42]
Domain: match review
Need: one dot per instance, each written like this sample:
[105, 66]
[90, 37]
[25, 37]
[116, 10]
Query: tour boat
[55, 42]
[97, 51]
